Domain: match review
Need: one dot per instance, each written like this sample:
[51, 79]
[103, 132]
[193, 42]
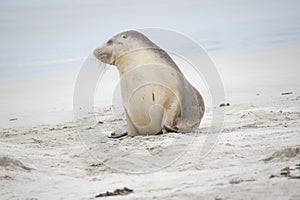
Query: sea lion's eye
[109, 42]
[124, 36]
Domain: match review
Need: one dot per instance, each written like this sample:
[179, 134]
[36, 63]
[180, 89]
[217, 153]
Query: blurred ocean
[41, 37]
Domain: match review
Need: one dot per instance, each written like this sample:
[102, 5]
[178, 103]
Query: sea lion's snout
[101, 55]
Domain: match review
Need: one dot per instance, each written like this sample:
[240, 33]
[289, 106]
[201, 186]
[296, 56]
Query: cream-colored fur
[155, 93]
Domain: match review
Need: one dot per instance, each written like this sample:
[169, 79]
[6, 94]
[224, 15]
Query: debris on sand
[237, 180]
[13, 119]
[6, 177]
[224, 104]
[289, 172]
[286, 93]
[9, 162]
[123, 191]
[288, 152]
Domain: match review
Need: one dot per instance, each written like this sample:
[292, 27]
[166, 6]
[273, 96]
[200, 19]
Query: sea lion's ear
[124, 36]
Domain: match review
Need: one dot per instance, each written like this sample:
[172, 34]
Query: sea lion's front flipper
[117, 135]
[130, 126]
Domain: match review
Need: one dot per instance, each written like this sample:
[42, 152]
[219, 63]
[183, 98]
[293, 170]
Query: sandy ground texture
[256, 155]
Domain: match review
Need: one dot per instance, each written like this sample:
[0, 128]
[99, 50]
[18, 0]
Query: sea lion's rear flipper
[191, 111]
[174, 130]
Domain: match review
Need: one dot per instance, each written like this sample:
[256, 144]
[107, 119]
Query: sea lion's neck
[135, 59]
[143, 57]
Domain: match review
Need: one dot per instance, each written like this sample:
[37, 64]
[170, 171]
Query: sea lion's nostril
[97, 52]
[100, 54]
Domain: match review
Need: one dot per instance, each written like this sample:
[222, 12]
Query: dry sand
[259, 140]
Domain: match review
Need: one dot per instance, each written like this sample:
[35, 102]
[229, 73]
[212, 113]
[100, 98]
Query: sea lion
[155, 93]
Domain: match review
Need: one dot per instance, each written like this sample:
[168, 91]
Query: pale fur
[170, 102]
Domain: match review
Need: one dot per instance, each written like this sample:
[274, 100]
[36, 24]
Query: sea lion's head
[120, 45]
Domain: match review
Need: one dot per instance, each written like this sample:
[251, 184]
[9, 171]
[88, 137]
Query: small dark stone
[224, 104]
[272, 176]
[285, 173]
[96, 165]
